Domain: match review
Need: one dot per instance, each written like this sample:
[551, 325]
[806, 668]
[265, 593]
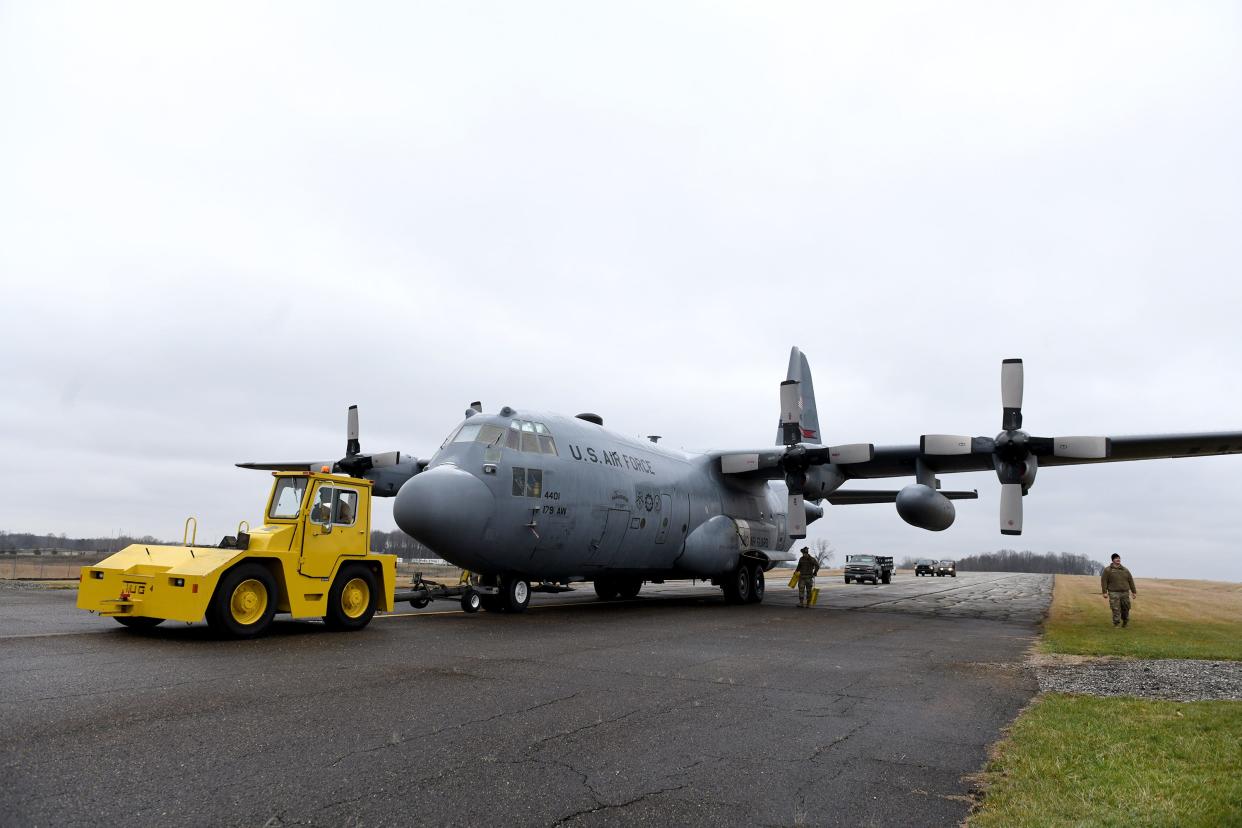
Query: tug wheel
[244, 602]
[471, 601]
[352, 599]
[137, 622]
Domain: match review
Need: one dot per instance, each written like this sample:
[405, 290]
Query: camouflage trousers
[1119, 603]
[805, 585]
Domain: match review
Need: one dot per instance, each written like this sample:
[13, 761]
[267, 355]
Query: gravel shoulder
[1173, 679]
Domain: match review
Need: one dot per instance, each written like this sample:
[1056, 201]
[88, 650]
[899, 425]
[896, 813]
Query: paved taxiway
[869, 709]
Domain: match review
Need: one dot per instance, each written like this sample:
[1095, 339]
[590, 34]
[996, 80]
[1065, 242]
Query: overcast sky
[221, 224]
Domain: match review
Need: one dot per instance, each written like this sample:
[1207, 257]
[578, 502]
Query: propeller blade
[739, 463]
[386, 458]
[851, 453]
[352, 446]
[1082, 448]
[284, 466]
[1011, 393]
[797, 516]
[791, 411]
[1011, 509]
[944, 444]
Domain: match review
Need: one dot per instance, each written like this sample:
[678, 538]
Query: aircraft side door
[333, 529]
[604, 547]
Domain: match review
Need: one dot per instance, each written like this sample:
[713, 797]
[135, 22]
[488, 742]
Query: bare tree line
[1010, 560]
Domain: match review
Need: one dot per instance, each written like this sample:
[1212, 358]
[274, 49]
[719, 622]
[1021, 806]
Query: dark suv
[946, 568]
[924, 566]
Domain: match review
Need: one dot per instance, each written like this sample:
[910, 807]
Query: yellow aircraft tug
[311, 558]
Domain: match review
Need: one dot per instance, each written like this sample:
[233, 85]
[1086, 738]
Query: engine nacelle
[922, 506]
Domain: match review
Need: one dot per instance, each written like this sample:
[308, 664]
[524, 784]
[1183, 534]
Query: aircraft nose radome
[444, 508]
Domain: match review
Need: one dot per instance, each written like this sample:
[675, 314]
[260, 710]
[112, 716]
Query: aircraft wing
[900, 461]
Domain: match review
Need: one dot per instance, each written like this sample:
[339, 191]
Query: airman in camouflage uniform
[1117, 584]
[808, 568]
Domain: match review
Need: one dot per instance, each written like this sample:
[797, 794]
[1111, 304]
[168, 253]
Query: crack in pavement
[431, 734]
[602, 806]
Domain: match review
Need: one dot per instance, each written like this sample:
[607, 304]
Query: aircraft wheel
[244, 602]
[492, 603]
[628, 588]
[137, 622]
[352, 599]
[756, 583]
[471, 601]
[736, 585]
[606, 589]
[515, 595]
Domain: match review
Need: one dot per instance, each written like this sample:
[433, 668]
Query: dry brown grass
[1169, 619]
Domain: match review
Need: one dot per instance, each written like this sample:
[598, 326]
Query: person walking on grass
[1117, 585]
[808, 568]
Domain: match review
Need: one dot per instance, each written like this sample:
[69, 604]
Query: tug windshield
[287, 500]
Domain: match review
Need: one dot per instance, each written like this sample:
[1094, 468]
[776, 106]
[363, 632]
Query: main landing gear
[745, 585]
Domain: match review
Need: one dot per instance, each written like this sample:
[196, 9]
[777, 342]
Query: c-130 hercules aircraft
[521, 496]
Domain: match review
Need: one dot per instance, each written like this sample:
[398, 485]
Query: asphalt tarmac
[872, 708]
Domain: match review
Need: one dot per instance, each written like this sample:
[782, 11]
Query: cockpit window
[529, 441]
[287, 500]
[467, 433]
[535, 438]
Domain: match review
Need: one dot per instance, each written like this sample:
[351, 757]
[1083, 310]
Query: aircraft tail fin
[800, 372]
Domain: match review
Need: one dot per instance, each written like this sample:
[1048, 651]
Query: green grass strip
[1085, 761]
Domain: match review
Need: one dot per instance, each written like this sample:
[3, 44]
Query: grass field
[1169, 619]
[1078, 760]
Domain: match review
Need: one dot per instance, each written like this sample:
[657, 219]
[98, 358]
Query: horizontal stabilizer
[859, 496]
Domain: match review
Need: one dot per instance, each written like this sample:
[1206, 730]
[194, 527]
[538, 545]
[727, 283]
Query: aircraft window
[547, 444]
[449, 438]
[467, 433]
[287, 501]
[513, 439]
[540, 428]
[530, 442]
[489, 434]
[527, 482]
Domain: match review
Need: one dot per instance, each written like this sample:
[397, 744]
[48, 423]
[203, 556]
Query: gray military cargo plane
[522, 495]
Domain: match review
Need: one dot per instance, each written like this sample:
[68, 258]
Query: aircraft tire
[756, 584]
[516, 595]
[491, 603]
[244, 602]
[736, 585]
[138, 622]
[606, 589]
[628, 588]
[352, 600]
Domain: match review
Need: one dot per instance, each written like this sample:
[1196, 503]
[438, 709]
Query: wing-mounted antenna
[1015, 454]
[386, 470]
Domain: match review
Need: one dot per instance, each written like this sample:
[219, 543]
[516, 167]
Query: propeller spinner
[1015, 454]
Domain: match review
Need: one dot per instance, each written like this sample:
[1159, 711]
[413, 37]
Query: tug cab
[310, 558]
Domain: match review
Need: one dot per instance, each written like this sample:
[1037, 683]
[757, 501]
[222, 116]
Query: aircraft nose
[444, 508]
